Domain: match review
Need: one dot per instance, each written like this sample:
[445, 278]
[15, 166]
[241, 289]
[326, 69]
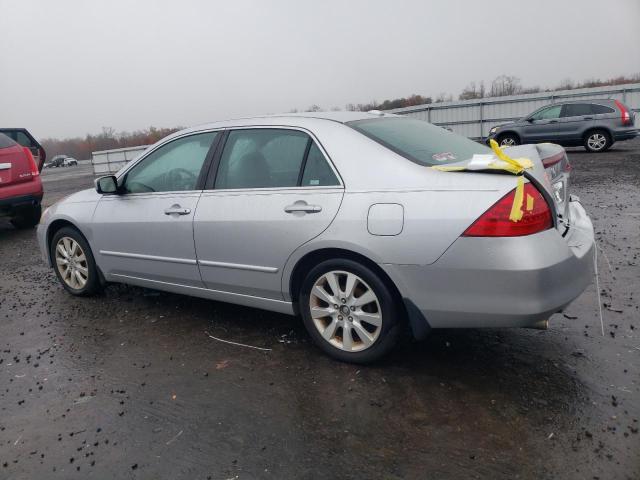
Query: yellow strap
[516, 209]
[444, 168]
[529, 203]
[517, 164]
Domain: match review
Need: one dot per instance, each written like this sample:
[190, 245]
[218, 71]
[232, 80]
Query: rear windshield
[6, 141]
[419, 141]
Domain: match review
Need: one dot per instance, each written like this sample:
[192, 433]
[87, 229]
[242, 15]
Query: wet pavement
[129, 384]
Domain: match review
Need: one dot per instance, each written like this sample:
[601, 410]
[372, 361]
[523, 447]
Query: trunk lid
[551, 172]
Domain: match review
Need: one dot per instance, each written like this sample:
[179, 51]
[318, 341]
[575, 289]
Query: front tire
[73, 262]
[597, 141]
[27, 217]
[509, 140]
[350, 313]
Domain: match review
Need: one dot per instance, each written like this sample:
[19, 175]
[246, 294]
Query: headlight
[493, 130]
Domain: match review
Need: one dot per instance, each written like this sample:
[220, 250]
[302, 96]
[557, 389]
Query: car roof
[589, 100]
[305, 119]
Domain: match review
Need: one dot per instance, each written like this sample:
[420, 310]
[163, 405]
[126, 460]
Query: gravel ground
[129, 385]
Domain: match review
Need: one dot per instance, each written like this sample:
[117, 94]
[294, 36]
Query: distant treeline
[81, 148]
[499, 87]
[502, 85]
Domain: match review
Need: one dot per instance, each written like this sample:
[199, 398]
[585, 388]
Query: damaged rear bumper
[502, 282]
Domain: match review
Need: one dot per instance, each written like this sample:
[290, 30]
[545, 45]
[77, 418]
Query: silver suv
[595, 124]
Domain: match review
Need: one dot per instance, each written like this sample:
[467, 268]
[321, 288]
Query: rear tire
[27, 217]
[597, 141]
[73, 262]
[508, 140]
[359, 323]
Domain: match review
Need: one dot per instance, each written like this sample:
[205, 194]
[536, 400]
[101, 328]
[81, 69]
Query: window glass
[171, 168]
[576, 109]
[6, 141]
[317, 172]
[419, 141]
[548, 113]
[597, 109]
[262, 158]
[23, 139]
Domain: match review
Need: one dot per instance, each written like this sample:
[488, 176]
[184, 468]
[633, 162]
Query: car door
[575, 119]
[542, 126]
[145, 232]
[273, 190]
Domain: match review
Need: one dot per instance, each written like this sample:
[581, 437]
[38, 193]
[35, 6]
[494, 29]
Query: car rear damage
[504, 276]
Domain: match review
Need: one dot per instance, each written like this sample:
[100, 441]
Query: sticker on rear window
[443, 157]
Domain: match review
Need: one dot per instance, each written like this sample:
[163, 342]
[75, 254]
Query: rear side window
[419, 141]
[317, 172]
[576, 109]
[6, 141]
[24, 140]
[597, 109]
[262, 158]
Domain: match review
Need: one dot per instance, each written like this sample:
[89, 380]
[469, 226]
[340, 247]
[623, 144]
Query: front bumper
[502, 282]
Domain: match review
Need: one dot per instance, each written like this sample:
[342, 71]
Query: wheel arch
[312, 258]
[59, 224]
[509, 132]
[590, 130]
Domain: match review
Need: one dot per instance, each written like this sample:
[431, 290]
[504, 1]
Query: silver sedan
[339, 218]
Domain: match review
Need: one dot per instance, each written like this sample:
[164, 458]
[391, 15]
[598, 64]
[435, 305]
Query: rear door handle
[553, 121]
[587, 118]
[303, 207]
[177, 210]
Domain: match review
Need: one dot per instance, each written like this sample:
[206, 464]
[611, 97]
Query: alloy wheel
[507, 142]
[597, 141]
[346, 311]
[71, 263]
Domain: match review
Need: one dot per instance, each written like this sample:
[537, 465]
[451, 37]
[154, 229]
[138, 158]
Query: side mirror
[530, 119]
[107, 185]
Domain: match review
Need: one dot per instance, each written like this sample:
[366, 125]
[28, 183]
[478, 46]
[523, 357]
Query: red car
[20, 184]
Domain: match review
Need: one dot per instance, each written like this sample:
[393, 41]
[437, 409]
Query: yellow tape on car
[516, 166]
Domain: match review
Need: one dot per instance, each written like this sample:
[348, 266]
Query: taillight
[625, 115]
[32, 162]
[495, 222]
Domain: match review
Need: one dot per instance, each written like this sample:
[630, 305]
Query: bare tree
[471, 91]
[505, 85]
[443, 97]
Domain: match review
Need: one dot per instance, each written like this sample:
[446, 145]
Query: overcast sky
[70, 67]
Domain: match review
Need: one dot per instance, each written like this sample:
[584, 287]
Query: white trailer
[110, 161]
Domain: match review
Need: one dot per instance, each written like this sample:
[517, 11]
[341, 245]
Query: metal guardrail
[471, 115]
[110, 161]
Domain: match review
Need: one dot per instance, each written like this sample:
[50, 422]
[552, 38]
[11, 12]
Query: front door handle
[587, 118]
[553, 121]
[302, 207]
[177, 210]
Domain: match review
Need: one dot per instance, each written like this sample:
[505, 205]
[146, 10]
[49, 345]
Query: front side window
[576, 109]
[173, 167]
[548, 113]
[262, 158]
[419, 141]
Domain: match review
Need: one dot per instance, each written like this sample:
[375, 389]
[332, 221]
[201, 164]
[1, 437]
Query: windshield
[419, 141]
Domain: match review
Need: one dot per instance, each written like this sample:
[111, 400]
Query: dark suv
[595, 124]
